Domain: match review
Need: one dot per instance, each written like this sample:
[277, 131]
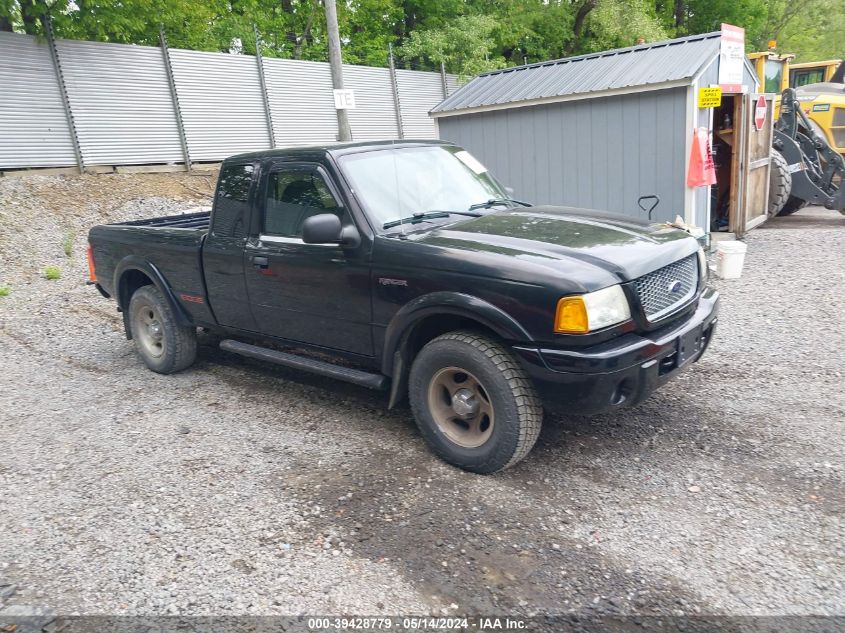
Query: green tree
[465, 45]
[619, 23]
[467, 35]
[528, 30]
[813, 33]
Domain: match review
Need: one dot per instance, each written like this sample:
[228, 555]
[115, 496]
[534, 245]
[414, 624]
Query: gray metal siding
[33, 126]
[121, 103]
[647, 64]
[374, 115]
[597, 153]
[301, 101]
[221, 102]
[419, 92]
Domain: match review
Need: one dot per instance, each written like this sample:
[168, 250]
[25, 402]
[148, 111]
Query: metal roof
[669, 62]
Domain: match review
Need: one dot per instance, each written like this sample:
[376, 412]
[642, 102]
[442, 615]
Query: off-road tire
[517, 409]
[178, 343]
[792, 205]
[780, 183]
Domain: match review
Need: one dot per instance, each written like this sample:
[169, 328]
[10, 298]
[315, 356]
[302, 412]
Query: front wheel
[473, 403]
[792, 205]
[164, 345]
[780, 183]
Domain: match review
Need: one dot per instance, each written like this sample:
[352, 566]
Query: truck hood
[566, 238]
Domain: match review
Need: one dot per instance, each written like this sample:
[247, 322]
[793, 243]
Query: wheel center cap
[154, 329]
[464, 403]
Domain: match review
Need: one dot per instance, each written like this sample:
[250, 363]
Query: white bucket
[730, 256]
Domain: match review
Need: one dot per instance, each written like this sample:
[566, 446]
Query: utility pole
[343, 131]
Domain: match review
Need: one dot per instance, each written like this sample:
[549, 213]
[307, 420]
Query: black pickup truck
[405, 266]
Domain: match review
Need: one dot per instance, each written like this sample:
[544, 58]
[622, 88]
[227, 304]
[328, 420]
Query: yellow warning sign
[709, 97]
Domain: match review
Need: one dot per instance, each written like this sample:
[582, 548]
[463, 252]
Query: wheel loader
[809, 135]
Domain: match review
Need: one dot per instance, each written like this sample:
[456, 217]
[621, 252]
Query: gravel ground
[241, 488]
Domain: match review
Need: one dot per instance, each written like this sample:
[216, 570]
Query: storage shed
[598, 131]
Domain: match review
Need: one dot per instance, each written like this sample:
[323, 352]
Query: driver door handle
[259, 261]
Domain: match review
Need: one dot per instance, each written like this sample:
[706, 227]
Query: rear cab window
[231, 204]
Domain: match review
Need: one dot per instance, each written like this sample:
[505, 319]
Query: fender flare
[134, 263]
[451, 303]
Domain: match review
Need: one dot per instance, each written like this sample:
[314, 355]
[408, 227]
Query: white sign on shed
[731, 58]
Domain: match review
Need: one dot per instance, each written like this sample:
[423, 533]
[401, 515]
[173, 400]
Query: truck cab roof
[307, 152]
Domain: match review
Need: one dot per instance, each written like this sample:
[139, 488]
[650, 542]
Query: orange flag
[702, 172]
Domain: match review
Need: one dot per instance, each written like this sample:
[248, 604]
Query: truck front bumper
[624, 371]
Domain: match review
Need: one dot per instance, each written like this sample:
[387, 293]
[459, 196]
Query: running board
[355, 376]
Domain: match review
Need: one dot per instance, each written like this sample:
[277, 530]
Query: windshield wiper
[422, 216]
[494, 201]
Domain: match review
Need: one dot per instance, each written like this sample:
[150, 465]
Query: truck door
[223, 249]
[311, 293]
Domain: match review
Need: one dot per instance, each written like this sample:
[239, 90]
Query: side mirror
[326, 228]
[322, 229]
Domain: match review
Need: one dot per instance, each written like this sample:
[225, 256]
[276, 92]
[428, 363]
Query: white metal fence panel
[121, 103]
[123, 111]
[34, 131]
[452, 84]
[301, 101]
[374, 115]
[419, 92]
[221, 103]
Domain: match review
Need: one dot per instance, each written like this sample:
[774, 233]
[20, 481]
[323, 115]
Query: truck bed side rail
[199, 220]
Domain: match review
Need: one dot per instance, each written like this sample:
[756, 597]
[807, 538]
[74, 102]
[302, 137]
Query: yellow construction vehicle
[772, 69]
[820, 87]
[812, 72]
[819, 93]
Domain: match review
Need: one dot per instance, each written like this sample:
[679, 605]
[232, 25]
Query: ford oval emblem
[675, 286]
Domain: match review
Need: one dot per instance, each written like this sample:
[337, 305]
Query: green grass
[5, 291]
[67, 243]
[52, 272]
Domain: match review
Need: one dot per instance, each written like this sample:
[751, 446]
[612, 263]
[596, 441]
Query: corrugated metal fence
[68, 102]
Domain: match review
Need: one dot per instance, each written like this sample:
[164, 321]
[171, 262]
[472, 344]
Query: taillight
[92, 271]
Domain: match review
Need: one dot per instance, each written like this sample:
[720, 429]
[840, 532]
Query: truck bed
[197, 220]
[172, 245]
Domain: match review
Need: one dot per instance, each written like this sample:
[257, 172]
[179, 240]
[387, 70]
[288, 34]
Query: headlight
[702, 267]
[594, 311]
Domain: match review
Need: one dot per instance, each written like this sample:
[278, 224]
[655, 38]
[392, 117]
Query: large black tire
[461, 371]
[780, 183]
[164, 345]
[792, 205]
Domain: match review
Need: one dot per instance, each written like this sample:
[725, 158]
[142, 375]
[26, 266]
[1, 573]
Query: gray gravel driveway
[241, 488]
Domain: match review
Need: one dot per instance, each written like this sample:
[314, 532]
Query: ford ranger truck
[406, 266]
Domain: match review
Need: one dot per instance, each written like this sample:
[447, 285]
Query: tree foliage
[465, 43]
[468, 36]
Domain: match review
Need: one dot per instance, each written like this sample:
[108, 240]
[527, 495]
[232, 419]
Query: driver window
[293, 196]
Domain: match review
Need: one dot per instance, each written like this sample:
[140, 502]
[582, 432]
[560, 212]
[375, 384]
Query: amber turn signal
[92, 272]
[571, 316]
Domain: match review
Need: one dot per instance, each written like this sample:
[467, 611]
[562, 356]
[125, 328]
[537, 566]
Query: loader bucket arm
[818, 171]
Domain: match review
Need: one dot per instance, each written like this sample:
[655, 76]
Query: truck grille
[668, 288]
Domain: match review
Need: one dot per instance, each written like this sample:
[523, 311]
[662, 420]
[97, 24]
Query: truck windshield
[395, 184]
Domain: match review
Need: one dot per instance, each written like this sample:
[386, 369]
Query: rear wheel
[780, 183]
[164, 345]
[473, 403]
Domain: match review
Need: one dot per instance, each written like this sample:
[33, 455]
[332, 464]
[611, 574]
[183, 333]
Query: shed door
[754, 163]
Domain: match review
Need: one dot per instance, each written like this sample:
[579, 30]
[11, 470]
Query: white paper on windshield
[470, 161]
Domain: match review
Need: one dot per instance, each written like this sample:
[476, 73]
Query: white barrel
[730, 256]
